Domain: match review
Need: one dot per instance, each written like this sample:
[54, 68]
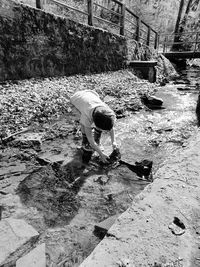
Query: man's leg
[85, 143]
[97, 137]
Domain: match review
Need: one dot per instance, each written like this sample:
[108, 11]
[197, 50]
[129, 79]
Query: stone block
[147, 69]
[35, 258]
[16, 237]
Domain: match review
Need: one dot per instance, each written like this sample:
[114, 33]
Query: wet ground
[65, 212]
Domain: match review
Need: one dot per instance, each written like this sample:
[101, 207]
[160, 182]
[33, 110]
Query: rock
[35, 258]
[16, 238]
[152, 102]
[102, 228]
[28, 140]
[12, 169]
[49, 157]
[103, 179]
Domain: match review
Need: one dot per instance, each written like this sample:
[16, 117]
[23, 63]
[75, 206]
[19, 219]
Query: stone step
[16, 238]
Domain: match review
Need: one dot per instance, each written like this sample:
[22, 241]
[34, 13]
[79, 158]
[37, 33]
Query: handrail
[70, 7]
[107, 21]
[183, 33]
[121, 21]
[111, 11]
[118, 2]
[173, 44]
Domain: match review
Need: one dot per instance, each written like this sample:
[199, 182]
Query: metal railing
[186, 41]
[125, 21]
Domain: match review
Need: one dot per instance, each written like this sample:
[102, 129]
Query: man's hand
[114, 145]
[104, 158]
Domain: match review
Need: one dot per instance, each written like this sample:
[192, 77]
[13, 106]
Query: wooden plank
[144, 23]
[38, 4]
[134, 24]
[122, 22]
[117, 2]
[131, 12]
[111, 11]
[90, 12]
[156, 43]
[148, 35]
[130, 32]
[138, 30]
[107, 21]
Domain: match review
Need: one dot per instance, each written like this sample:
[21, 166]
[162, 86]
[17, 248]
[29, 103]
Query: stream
[66, 218]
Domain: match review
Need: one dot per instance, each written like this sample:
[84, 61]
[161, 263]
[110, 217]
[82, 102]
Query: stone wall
[36, 44]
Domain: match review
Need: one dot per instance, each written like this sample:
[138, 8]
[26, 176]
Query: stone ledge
[16, 238]
[143, 236]
[35, 258]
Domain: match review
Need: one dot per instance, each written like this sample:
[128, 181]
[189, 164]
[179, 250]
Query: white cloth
[86, 101]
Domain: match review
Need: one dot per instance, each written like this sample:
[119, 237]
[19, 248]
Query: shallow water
[103, 192]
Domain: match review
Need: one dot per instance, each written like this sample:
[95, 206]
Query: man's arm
[88, 132]
[112, 137]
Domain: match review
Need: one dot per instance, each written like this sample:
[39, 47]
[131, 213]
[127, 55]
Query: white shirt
[86, 101]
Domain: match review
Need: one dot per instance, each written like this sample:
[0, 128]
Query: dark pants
[97, 135]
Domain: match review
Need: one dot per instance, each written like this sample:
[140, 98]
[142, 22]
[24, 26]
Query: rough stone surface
[16, 237]
[35, 258]
[159, 229]
[37, 44]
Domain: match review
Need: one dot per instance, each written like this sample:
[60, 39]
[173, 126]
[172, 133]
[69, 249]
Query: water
[103, 192]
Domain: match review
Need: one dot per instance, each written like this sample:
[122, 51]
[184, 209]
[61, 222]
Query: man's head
[104, 118]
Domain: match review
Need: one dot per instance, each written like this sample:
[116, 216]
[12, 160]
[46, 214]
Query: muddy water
[43, 199]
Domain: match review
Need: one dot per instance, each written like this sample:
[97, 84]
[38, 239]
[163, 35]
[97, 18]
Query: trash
[143, 168]
[115, 155]
[102, 228]
[113, 159]
[124, 263]
[177, 227]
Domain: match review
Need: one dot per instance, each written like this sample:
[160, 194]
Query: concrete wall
[36, 44]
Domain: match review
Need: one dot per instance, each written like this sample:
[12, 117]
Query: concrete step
[139, 63]
[146, 68]
[35, 258]
[16, 238]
